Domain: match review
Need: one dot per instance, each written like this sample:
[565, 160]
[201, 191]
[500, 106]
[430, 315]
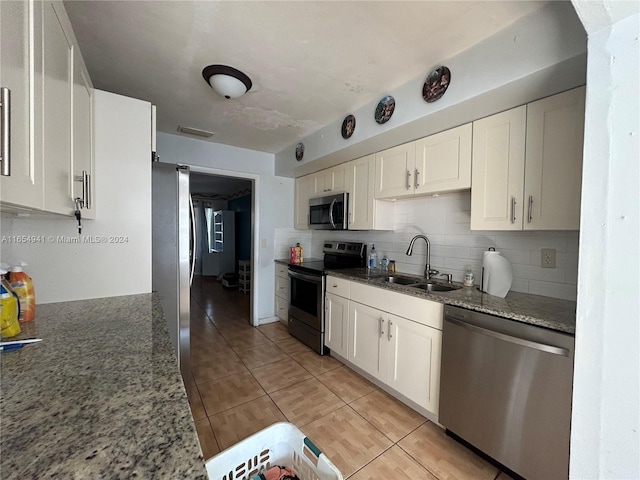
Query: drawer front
[338, 286]
[282, 287]
[281, 270]
[371, 296]
[417, 309]
[282, 308]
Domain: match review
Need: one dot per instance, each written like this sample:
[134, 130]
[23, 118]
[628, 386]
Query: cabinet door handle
[513, 209]
[5, 132]
[389, 331]
[381, 326]
[415, 181]
[530, 214]
[408, 180]
[88, 198]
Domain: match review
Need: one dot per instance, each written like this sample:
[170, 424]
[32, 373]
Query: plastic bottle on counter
[468, 278]
[9, 309]
[373, 258]
[22, 285]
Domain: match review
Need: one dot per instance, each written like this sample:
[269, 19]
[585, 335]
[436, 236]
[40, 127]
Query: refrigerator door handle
[192, 215]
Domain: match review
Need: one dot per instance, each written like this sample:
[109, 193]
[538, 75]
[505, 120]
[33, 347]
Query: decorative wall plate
[436, 84]
[299, 151]
[385, 109]
[348, 126]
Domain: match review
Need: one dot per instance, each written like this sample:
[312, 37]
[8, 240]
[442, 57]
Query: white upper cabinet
[443, 161]
[24, 186]
[394, 171]
[305, 188]
[57, 58]
[435, 164]
[498, 171]
[532, 186]
[553, 169]
[365, 212]
[52, 117]
[331, 180]
[82, 154]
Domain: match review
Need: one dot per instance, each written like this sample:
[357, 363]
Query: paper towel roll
[497, 274]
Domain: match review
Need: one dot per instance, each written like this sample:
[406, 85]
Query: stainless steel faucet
[427, 268]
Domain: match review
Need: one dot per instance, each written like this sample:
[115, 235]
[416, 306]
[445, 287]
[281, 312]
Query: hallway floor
[246, 378]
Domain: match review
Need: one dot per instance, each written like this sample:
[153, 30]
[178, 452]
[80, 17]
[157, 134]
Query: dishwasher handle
[509, 338]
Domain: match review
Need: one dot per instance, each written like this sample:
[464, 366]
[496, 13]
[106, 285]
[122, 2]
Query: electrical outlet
[548, 258]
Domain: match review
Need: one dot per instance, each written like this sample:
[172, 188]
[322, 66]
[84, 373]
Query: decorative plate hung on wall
[385, 109]
[348, 126]
[436, 84]
[299, 151]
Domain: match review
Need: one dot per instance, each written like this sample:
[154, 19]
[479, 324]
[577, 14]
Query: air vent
[195, 131]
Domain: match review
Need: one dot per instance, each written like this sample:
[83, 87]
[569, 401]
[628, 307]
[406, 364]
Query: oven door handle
[304, 276]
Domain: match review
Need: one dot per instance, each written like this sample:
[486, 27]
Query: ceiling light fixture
[227, 81]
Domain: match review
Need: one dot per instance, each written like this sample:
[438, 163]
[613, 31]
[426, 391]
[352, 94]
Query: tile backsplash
[445, 220]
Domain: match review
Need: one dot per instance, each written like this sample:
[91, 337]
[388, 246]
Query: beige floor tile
[281, 374]
[316, 364]
[195, 402]
[274, 331]
[444, 457]
[393, 464]
[200, 354]
[306, 401]
[238, 423]
[260, 355]
[348, 440]
[292, 346]
[504, 476]
[229, 392]
[239, 339]
[347, 384]
[388, 415]
[207, 439]
[217, 366]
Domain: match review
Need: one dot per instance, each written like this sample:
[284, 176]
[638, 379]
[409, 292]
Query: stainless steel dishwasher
[505, 388]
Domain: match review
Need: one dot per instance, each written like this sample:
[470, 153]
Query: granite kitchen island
[100, 397]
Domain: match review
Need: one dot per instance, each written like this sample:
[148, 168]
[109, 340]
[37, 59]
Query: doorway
[223, 247]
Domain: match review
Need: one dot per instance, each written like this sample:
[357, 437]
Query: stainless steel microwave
[329, 212]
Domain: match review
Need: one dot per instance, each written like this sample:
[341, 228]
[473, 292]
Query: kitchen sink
[401, 280]
[435, 287]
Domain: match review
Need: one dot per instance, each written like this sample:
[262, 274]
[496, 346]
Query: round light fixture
[227, 81]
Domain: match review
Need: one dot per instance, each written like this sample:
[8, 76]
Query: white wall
[274, 199]
[445, 220]
[63, 271]
[539, 55]
[605, 434]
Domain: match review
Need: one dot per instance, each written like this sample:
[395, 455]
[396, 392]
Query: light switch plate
[548, 258]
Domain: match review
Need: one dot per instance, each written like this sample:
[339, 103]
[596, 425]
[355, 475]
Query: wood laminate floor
[246, 378]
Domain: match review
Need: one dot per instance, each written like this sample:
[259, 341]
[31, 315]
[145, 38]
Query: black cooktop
[336, 255]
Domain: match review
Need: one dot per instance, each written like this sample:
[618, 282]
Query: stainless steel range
[306, 303]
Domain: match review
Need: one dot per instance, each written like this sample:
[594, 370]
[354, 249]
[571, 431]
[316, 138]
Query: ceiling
[311, 62]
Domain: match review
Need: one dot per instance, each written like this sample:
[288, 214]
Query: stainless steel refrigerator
[172, 262]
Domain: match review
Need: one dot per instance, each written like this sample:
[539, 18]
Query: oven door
[306, 301]
[329, 212]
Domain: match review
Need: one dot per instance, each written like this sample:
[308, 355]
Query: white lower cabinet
[336, 332]
[367, 344]
[282, 292]
[413, 361]
[403, 353]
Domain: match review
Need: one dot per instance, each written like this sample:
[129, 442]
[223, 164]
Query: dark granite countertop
[547, 312]
[100, 397]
